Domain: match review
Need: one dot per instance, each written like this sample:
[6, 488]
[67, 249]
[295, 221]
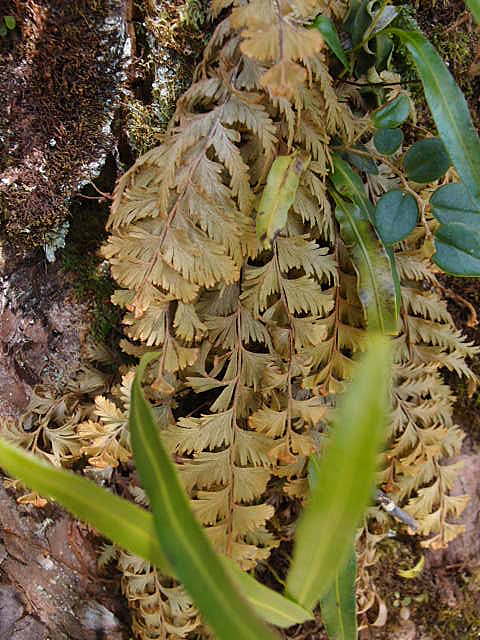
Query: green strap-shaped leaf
[132, 528]
[349, 184]
[346, 477]
[278, 195]
[330, 35]
[182, 538]
[474, 6]
[124, 523]
[270, 605]
[339, 605]
[376, 286]
[449, 110]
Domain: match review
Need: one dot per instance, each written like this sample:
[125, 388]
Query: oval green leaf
[330, 35]
[181, 536]
[452, 203]
[458, 249]
[360, 161]
[346, 477]
[388, 141]
[449, 110]
[270, 605]
[393, 114]
[426, 161]
[358, 21]
[396, 216]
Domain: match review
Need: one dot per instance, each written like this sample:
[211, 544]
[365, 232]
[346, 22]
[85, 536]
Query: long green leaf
[349, 184]
[449, 109]
[270, 605]
[345, 479]
[339, 605]
[329, 33]
[279, 194]
[474, 6]
[182, 539]
[133, 528]
[376, 285]
[124, 523]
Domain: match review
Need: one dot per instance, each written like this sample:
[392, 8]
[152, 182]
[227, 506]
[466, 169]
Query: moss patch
[169, 39]
[60, 77]
[86, 269]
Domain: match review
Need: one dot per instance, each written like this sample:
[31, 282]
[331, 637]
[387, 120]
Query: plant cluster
[282, 214]
[267, 332]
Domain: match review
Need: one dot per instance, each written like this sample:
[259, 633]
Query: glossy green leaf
[346, 477]
[474, 6]
[396, 216]
[278, 195]
[122, 522]
[383, 51]
[3, 30]
[349, 184]
[9, 22]
[375, 284]
[330, 35]
[358, 21]
[426, 160]
[132, 528]
[458, 249]
[381, 17]
[270, 605]
[452, 203]
[338, 606]
[449, 110]
[360, 161]
[393, 114]
[388, 141]
[182, 538]
[396, 278]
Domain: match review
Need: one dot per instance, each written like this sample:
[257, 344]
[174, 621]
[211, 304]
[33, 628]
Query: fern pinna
[257, 342]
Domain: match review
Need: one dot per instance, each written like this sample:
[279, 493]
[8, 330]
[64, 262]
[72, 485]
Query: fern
[270, 336]
[259, 342]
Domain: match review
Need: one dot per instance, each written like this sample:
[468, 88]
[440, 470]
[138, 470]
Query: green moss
[171, 38]
[456, 48]
[84, 266]
[92, 284]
